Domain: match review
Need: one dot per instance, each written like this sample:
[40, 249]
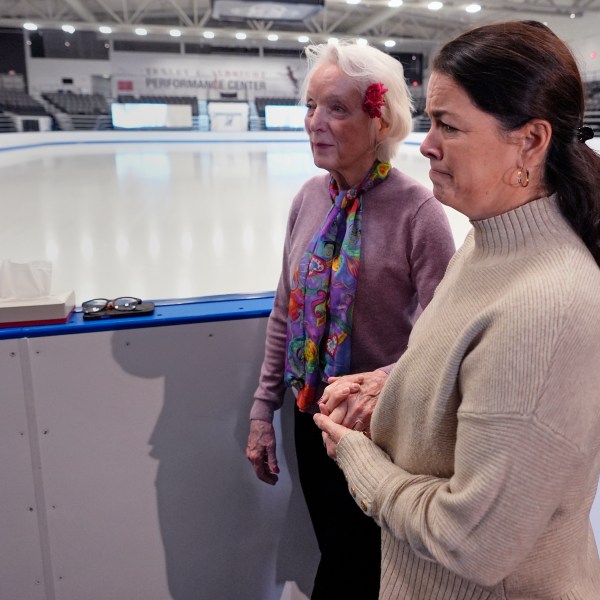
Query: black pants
[349, 541]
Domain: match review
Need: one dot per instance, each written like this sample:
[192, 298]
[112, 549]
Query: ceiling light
[395, 3]
[303, 39]
[352, 1]
[141, 31]
[572, 15]
[362, 42]
[435, 5]
[332, 40]
[272, 37]
[30, 26]
[473, 8]
[68, 28]
[175, 33]
[209, 35]
[389, 43]
[104, 29]
[240, 35]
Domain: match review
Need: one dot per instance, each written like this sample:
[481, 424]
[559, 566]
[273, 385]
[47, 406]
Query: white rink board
[148, 493]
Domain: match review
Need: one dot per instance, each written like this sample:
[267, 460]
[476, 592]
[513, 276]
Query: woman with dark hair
[365, 248]
[485, 451]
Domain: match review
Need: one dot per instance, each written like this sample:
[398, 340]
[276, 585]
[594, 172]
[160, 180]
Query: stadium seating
[77, 104]
[20, 103]
[592, 106]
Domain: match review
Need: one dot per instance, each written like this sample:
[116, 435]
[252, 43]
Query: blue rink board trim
[171, 312]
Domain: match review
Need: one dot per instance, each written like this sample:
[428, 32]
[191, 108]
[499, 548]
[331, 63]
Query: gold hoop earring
[523, 177]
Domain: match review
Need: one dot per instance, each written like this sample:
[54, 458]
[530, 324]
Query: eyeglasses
[125, 304]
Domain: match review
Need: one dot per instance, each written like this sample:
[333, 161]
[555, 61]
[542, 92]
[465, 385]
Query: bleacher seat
[78, 104]
[20, 103]
[592, 106]
[7, 124]
[419, 106]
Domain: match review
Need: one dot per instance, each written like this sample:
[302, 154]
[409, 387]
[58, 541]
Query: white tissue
[22, 281]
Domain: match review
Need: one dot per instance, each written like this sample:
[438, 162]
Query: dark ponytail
[521, 70]
[575, 175]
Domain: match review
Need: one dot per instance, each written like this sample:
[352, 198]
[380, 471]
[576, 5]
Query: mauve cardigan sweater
[406, 245]
[486, 438]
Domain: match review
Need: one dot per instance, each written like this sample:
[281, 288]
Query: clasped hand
[348, 403]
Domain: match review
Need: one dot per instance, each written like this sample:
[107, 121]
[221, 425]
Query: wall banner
[206, 77]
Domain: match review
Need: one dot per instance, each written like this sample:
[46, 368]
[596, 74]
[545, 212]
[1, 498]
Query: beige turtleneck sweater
[486, 439]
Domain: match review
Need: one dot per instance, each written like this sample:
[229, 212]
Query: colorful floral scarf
[323, 289]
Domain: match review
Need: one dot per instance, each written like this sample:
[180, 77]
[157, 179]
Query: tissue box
[37, 311]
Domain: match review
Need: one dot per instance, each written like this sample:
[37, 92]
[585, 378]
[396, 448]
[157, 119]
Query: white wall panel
[149, 495]
[46, 74]
[21, 572]
[172, 74]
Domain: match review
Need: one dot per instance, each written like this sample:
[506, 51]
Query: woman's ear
[381, 128]
[535, 139]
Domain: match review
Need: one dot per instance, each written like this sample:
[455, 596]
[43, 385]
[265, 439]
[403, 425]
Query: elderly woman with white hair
[365, 248]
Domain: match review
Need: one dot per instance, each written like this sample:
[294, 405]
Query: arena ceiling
[412, 24]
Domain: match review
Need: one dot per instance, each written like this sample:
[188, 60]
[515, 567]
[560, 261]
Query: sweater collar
[527, 227]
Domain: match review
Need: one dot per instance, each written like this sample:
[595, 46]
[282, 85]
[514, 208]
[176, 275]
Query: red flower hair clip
[374, 99]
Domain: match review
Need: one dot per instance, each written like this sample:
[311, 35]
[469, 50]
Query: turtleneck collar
[528, 227]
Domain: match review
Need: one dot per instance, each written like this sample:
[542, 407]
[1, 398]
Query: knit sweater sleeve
[486, 518]
[271, 388]
[528, 420]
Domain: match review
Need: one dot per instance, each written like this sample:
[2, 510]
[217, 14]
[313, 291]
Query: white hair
[367, 65]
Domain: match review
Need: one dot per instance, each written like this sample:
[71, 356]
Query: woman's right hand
[351, 399]
[261, 451]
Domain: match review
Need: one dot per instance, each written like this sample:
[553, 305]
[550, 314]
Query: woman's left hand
[351, 399]
[332, 433]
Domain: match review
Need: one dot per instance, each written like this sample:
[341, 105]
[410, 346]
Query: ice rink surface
[160, 220]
